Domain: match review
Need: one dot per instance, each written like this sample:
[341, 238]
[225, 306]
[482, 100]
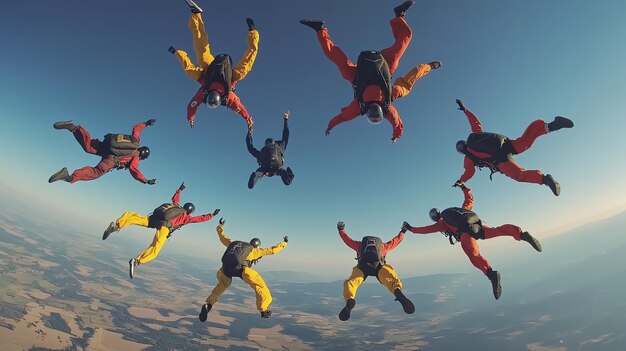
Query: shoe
[132, 264]
[407, 305]
[172, 50]
[250, 23]
[461, 106]
[64, 125]
[290, 173]
[194, 7]
[560, 123]
[435, 64]
[266, 314]
[204, 311]
[60, 175]
[317, 25]
[531, 240]
[113, 227]
[494, 277]
[251, 181]
[400, 10]
[344, 315]
[554, 186]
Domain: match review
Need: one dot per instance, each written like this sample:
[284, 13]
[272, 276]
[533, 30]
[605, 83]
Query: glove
[222, 221]
[340, 225]
[191, 124]
[286, 114]
[151, 181]
[150, 122]
[405, 226]
[459, 184]
[286, 239]
[250, 124]
[461, 106]
[327, 131]
[216, 212]
[182, 186]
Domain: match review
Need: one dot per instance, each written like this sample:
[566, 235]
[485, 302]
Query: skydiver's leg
[388, 277]
[223, 282]
[194, 72]
[200, 41]
[91, 173]
[247, 61]
[263, 296]
[532, 132]
[514, 171]
[337, 56]
[83, 137]
[503, 230]
[254, 177]
[286, 175]
[351, 285]
[157, 243]
[470, 247]
[132, 218]
[402, 33]
[403, 85]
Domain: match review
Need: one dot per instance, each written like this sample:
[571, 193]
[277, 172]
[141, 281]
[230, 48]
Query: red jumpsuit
[232, 102]
[93, 146]
[468, 242]
[509, 168]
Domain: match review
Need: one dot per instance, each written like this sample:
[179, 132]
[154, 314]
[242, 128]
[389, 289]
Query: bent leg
[263, 296]
[353, 282]
[157, 243]
[503, 230]
[470, 247]
[84, 139]
[254, 177]
[514, 171]
[285, 176]
[247, 61]
[200, 40]
[132, 218]
[532, 132]
[91, 173]
[223, 282]
[402, 33]
[388, 277]
[192, 71]
[403, 85]
[337, 56]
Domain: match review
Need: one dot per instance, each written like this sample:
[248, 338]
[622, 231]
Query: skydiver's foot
[531, 240]
[461, 106]
[407, 305]
[266, 314]
[113, 227]
[63, 174]
[401, 9]
[494, 277]
[435, 64]
[290, 173]
[560, 123]
[250, 23]
[344, 315]
[317, 25]
[64, 125]
[251, 181]
[204, 312]
[172, 50]
[554, 186]
[193, 6]
[132, 264]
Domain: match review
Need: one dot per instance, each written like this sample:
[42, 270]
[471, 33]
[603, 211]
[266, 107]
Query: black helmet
[434, 214]
[374, 113]
[144, 152]
[255, 242]
[461, 146]
[269, 141]
[213, 99]
[189, 207]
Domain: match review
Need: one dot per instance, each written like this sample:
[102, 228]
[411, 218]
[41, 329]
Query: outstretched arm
[347, 113]
[258, 253]
[137, 128]
[470, 169]
[285, 139]
[468, 203]
[193, 105]
[176, 197]
[235, 104]
[353, 244]
[251, 149]
[222, 236]
[433, 228]
[133, 168]
[473, 121]
[396, 122]
[391, 244]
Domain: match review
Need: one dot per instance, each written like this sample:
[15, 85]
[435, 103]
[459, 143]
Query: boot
[113, 227]
[204, 311]
[400, 10]
[407, 305]
[435, 64]
[64, 125]
[172, 50]
[559, 123]
[60, 175]
[531, 240]
[494, 277]
[250, 23]
[317, 25]
[344, 315]
[266, 314]
[554, 186]
[290, 173]
[132, 264]
[193, 6]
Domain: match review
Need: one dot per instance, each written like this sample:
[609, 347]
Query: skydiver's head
[189, 207]
[461, 146]
[269, 141]
[434, 214]
[144, 152]
[374, 113]
[255, 242]
[213, 99]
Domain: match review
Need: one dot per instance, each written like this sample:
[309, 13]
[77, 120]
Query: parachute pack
[219, 71]
[489, 143]
[369, 257]
[164, 214]
[372, 69]
[271, 156]
[234, 259]
[121, 145]
[465, 221]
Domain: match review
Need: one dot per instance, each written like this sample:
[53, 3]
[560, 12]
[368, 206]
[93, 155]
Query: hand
[394, 140]
[286, 114]
[150, 122]
[340, 225]
[222, 221]
[217, 210]
[327, 131]
[461, 106]
[191, 124]
[250, 124]
[459, 184]
[151, 181]
[182, 186]
[286, 239]
[405, 226]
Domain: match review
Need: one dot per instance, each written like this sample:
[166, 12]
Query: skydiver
[165, 219]
[461, 224]
[236, 262]
[271, 157]
[496, 151]
[118, 151]
[371, 76]
[371, 254]
[216, 75]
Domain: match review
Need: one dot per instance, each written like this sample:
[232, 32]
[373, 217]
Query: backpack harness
[372, 69]
[465, 221]
[163, 215]
[220, 71]
[235, 260]
[369, 256]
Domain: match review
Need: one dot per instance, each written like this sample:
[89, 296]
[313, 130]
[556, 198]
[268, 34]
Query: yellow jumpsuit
[386, 275]
[160, 237]
[204, 56]
[249, 275]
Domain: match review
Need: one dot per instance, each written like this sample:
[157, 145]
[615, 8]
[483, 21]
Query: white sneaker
[132, 264]
[194, 7]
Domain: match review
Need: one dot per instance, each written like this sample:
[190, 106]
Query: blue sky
[106, 66]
